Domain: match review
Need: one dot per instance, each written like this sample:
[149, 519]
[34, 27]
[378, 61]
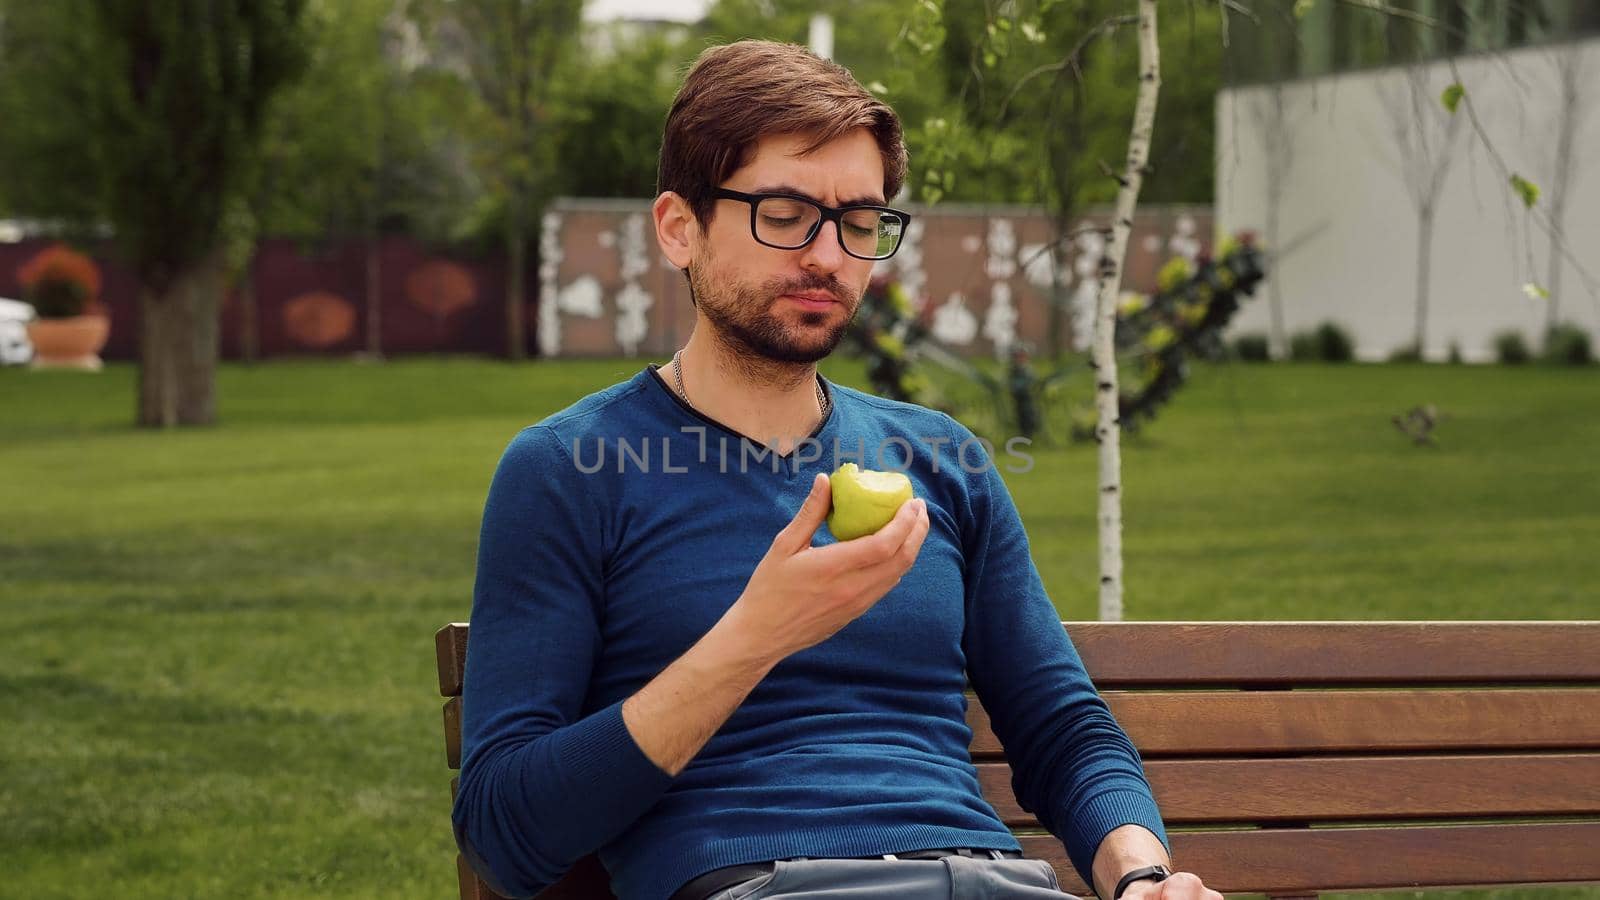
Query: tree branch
[1540, 217]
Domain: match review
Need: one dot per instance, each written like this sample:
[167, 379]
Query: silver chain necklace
[677, 376]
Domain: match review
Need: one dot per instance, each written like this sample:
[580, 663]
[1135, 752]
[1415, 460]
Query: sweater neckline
[654, 371]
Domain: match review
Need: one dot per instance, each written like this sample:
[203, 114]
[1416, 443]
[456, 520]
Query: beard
[743, 318]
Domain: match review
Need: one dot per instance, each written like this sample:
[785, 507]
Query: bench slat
[452, 732]
[1264, 791]
[1328, 859]
[1117, 654]
[450, 652]
[1246, 722]
[1282, 653]
[1375, 721]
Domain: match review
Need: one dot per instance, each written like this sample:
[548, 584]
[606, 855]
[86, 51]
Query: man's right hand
[800, 595]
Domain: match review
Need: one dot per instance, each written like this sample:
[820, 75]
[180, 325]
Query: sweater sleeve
[541, 785]
[1072, 764]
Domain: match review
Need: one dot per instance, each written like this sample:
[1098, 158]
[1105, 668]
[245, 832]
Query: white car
[15, 349]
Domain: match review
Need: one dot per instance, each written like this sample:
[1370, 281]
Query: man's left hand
[1178, 886]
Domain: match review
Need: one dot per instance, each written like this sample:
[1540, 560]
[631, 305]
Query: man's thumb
[796, 536]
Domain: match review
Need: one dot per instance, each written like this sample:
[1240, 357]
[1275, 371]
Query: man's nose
[824, 253]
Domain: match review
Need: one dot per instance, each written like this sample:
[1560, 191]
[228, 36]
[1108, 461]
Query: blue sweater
[589, 583]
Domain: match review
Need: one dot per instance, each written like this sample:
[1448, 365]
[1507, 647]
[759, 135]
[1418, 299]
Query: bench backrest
[1295, 757]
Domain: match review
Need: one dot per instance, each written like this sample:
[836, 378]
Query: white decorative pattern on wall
[1090, 245]
[633, 301]
[1000, 322]
[549, 275]
[953, 323]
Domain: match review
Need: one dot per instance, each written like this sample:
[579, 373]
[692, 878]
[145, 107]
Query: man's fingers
[882, 576]
[912, 545]
[876, 548]
[796, 536]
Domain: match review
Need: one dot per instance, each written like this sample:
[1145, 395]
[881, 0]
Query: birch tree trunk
[1108, 431]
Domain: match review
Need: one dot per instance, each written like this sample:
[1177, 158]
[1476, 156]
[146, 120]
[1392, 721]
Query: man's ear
[676, 228]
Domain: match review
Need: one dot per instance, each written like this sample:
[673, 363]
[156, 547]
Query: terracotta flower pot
[72, 343]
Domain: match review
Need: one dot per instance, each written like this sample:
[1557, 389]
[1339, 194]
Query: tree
[149, 122]
[1277, 121]
[1572, 76]
[1109, 429]
[1424, 137]
[1129, 179]
[367, 142]
[610, 111]
[508, 51]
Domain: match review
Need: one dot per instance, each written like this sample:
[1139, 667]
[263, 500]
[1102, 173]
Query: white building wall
[1348, 226]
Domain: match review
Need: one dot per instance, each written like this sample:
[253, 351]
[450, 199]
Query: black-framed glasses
[789, 222]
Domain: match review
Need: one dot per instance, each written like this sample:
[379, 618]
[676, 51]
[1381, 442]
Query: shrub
[1455, 353]
[1511, 348]
[1567, 345]
[59, 282]
[1406, 354]
[1328, 343]
[1252, 348]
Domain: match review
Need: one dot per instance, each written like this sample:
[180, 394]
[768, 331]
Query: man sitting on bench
[672, 668]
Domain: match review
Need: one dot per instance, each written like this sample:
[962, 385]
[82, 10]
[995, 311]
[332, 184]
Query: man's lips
[813, 299]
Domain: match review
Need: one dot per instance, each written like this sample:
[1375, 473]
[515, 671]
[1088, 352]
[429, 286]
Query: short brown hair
[738, 93]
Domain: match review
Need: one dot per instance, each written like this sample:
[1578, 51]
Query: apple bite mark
[864, 500]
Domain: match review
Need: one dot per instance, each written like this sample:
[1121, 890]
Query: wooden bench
[1290, 758]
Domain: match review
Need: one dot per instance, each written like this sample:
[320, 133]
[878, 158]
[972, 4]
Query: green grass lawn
[218, 674]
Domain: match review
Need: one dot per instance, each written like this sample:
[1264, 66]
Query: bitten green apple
[864, 500]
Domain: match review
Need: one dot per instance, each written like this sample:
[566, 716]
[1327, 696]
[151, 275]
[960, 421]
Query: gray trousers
[951, 878]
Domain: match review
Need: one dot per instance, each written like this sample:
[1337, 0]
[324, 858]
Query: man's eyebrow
[869, 200]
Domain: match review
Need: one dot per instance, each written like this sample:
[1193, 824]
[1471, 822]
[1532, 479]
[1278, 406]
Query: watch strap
[1152, 873]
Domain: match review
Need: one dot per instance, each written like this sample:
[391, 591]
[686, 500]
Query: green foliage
[47, 167]
[59, 282]
[1175, 272]
[1452, 96]
[879, 333]
[977, 132]
[58, 299]
[368, 139]
[507, 54]
[1328, 342]
[1511, 348]
[1252, 347]
[608, 113]
[1567, 345]
[1526, 190]
[1183, 321]
[145, 116]
[1033, 131]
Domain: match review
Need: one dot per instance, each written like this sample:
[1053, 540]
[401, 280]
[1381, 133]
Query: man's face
[788, 306]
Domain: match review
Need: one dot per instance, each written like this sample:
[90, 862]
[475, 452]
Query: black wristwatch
[1153, 873]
